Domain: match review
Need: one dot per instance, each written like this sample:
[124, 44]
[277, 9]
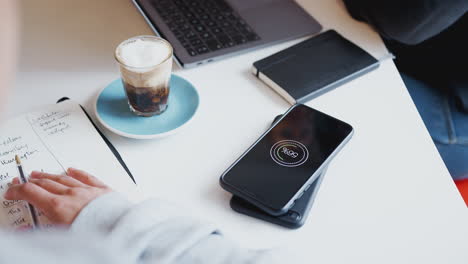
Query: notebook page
[53, 139]
[17, 138]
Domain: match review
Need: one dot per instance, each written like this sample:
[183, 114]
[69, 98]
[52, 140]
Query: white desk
[387, 197]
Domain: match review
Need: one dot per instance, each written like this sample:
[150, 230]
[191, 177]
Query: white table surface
[387, 197]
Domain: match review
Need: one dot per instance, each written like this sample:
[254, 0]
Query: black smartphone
[286, 159]
[294, 218]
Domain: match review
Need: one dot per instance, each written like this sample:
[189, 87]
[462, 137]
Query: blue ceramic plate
[113, 112]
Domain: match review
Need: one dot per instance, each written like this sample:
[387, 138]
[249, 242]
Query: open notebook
[54, 138]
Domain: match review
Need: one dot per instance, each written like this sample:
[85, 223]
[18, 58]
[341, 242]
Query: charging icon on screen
[289, 153]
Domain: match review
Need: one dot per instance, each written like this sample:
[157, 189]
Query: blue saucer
[113, 112]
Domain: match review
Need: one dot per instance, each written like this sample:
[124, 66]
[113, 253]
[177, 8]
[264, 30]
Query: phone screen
[281, 162]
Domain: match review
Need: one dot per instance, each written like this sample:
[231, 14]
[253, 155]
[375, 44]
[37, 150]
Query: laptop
[202, 31]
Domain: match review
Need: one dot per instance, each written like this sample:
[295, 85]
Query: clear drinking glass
[146, 86]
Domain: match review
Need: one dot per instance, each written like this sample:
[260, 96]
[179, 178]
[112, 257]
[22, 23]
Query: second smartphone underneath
[296, 215]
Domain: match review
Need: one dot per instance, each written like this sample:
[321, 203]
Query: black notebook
[314, 66]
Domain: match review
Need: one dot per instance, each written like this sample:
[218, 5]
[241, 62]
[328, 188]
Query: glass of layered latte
[145, 65]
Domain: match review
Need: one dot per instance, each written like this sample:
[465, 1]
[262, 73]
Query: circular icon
[289, 153]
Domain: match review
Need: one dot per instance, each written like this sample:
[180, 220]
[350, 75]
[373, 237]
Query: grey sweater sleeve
[112, 230]
[154, 231]
[408, 21]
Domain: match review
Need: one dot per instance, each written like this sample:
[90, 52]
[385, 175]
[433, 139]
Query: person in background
[96, 224]
[430, 41]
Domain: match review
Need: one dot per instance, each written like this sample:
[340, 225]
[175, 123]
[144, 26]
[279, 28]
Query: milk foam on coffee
[143, 53]
[138, 58]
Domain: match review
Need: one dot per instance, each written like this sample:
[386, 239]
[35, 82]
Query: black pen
[23, 179]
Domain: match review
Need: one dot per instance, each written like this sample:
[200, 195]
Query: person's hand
[59, 197]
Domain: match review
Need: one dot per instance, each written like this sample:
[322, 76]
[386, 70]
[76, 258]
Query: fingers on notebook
[74, 178]
[85, 178]
[62, 179]
[32, 193]
[50, 185]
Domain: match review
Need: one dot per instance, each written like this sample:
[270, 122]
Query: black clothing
[428, 37]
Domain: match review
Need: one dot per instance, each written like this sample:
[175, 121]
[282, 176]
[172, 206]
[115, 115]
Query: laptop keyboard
[202, 26]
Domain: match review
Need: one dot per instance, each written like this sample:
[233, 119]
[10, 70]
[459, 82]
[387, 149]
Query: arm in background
[409, 22]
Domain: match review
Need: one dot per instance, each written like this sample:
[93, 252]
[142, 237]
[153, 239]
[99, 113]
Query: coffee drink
[145, 66]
